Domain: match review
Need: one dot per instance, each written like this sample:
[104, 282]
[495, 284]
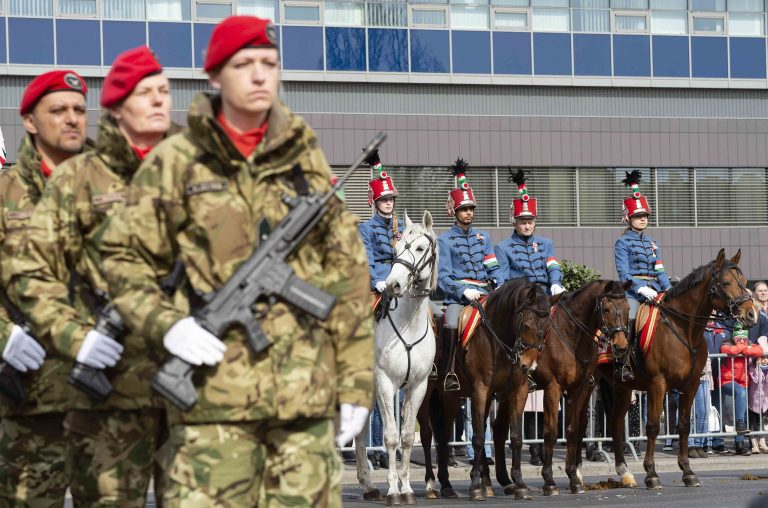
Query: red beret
[127, 70]
[54, 81]
[236, 33]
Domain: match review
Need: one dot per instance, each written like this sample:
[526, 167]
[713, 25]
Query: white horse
[405, 351]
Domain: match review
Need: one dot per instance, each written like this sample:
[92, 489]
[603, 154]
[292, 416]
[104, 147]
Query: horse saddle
[646, 322]
[469, 320]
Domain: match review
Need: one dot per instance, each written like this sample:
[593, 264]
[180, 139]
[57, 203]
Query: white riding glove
[351, 423]
[381, 286]
[193, 343]
[472, 294]
[99, 351]
[22, 351]
[556, 289]
[648, 292]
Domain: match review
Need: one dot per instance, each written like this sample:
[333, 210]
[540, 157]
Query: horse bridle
[414, 268]
[520, 346]
[608, 333]
[716, 288]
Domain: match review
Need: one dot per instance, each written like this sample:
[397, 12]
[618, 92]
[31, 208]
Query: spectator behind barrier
[758, 397]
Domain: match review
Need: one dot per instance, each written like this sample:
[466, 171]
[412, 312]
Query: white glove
[556, 289]
[647, 292]
[22, 351]
[472, 294]
[99, 351]
[193, 343]
[351, 423]
[381, 286]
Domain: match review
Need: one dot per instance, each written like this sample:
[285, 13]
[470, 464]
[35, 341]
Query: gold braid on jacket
[394, 230]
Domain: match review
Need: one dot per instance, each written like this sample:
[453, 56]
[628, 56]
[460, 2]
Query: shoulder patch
[18, 215]
[202, 187]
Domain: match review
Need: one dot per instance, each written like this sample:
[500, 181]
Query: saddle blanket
[645, 325]
[469, 320]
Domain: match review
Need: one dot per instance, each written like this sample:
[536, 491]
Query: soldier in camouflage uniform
[111, 446]
[32, 447]
[262, 431]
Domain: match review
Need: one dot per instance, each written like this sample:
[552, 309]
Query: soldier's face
[249, 80]
[385, 205]
[147, 110]
[638, 222]
[58, 122]
[525, 226]
[465, 215]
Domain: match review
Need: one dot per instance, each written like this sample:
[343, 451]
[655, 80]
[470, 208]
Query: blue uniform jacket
[638, 255]
[532, 257]
[465, 256]
[377, 237]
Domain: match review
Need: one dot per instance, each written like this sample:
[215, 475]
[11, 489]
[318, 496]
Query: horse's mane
[504, 297]
[610, 288]
[690, 280]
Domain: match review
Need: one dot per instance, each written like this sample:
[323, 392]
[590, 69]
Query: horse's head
[613, 309]
[533, 306]
[413, 269]
[728, 288]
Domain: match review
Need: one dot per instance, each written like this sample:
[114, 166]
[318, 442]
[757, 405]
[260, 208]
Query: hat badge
[73, 81]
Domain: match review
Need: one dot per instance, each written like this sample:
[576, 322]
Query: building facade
[575, 91]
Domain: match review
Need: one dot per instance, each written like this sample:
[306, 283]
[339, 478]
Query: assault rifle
[263, 277]
[91, 381]
[10, 378]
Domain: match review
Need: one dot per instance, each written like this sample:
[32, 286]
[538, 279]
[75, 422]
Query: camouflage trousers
[32, 455]
[237, 465]
[111, 456]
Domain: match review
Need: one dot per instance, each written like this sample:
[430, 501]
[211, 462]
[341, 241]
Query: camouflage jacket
[196, 197]
[21, 187]
[61, 252]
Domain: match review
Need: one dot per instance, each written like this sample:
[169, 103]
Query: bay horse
[405, 349]
[677, 357]
[506, 343]
[566, 366]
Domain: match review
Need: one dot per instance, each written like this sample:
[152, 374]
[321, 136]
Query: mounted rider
[381, 232]
[467, 267]
[638, 259]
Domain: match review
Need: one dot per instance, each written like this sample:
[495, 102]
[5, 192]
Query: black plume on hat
[373, 158]
[633, 178]
[459, 167]
[518, 177]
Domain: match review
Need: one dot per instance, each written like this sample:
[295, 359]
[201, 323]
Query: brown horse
[508, 342]
[566, 366]
[677, 358]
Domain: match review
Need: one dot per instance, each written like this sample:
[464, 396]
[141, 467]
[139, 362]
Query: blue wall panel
[709, 57]
[30, 40]
[512, 53]
[591, 54]
[345, 49]
[429, 51]
[3, 52]
[122, 35]
[471, 52]
[387, 50]
[172, 43]
[78, 42]
[201, 34]
[303, 48]
[670, 56]
[747, 57]
[552, 54]
[632, 55]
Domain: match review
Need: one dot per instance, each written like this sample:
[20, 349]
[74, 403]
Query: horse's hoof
[653, 483]
[522, 494]
[394, 500]
[488, 491]
[691, 481]
[628, 481]
[448, 493]
[509, 489]
[551, 490]
[577, 488]
[409, 498]
[373, 495]
[477, 494]
[432, 494]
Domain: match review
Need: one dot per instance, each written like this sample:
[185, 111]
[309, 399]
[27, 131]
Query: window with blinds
[675, 205]
[734, 196]
[356, 191]
[554, 188]
[601, 194]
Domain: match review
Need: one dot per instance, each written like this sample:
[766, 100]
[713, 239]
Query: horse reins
[520, 346]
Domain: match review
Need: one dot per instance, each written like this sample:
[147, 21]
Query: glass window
[123, 9]
[603, 208]
[469, 17]
[739, 191]
[344, 14]
[708, 24]
[77, 7]
[746, 5]
[669, 5]
[260, 8]
[591, 20]
[708, 5]
[301, 13]
[510, 20]
[429, 17]
[207, 10]
[554, 186]
[388, 14]
[675, 206]
[594, 4]
[429, 1]
[168, 10]
[746, 24]
[30, 7]
[549, 3]
[630, 23]
[469, 2]
[629, 4]
[511, 3]
[669, 22]
[550, 20]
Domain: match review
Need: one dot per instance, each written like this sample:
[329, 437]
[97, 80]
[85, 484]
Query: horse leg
[684, 429]
[407, 435]
[657, 388]
[519, 394]
[551, 400]
[440, 415]
[622, 401]
[385, 396]
[370, 492]
[479, 415]
[425, 431]
[500, 433]
[575, 430]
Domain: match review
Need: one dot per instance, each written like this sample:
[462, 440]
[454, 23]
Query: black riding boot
[450, 336]
[623, 367]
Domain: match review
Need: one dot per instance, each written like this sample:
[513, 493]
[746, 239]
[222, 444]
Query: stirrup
[624, 372]
[433, 373]
[451, 382]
